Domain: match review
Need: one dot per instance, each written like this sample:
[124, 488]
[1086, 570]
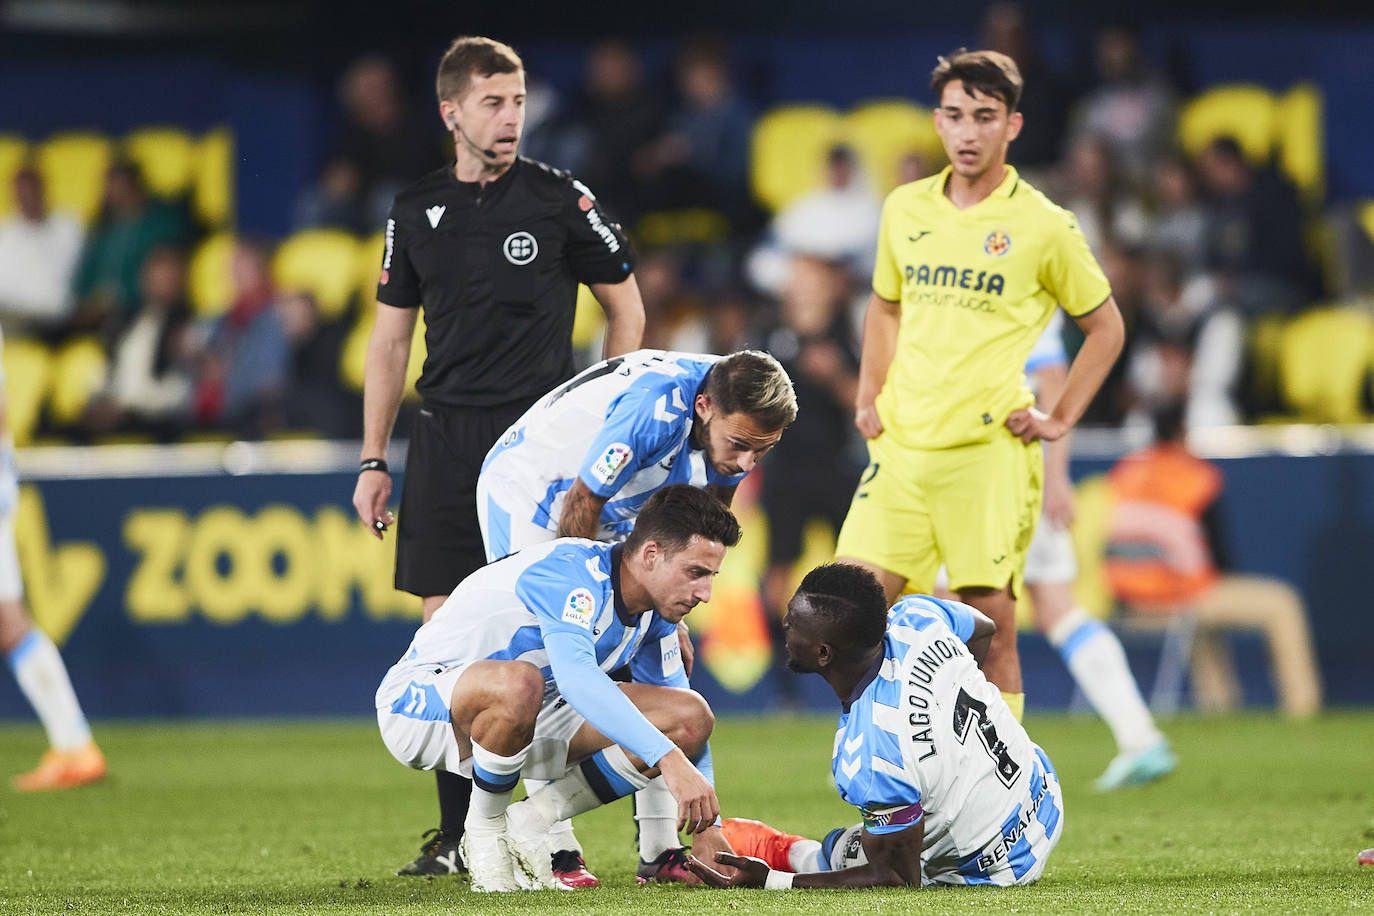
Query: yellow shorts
[974, 508]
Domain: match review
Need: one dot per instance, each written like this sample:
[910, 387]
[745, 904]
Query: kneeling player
[510, 676]
[950, 787]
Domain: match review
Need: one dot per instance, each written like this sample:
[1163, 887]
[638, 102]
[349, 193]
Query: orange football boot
[757, 839]
[63, 770]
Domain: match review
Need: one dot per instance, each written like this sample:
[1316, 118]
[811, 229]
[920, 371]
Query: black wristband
[373, 464]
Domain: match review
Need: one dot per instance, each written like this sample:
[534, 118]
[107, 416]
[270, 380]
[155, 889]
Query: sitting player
[950, 787]
[510, 677]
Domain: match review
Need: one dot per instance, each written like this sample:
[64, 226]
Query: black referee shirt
[497, 269]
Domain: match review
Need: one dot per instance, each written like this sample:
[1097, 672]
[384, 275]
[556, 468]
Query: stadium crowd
[1201, 250]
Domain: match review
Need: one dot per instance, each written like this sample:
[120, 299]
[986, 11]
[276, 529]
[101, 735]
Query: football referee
[492, 248]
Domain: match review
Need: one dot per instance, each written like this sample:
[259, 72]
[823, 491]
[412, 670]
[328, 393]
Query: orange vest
[1157, 553]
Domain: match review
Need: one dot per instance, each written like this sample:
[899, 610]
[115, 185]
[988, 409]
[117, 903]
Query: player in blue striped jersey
[511, 676]
[950, 788]
[582, 461]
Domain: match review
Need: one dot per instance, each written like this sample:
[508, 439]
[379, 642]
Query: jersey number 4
[970, 712]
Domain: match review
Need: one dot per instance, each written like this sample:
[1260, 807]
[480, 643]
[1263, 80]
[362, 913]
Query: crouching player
[950, 787]
[511, 676]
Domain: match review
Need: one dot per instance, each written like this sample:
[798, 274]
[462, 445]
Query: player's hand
[697, 806]
[749, 872]
[1059, 499]
[369, 499]
[710, 842]
[866, 419]
[1029, 424]
[684, 645]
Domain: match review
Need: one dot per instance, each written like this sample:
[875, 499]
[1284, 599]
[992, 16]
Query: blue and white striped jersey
[928, 738]
[557, 606]
[623, 426]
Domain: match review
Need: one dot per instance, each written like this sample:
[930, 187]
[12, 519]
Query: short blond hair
[473, 54]
[754, 383]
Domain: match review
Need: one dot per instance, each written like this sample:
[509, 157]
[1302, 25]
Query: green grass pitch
[1263, 815]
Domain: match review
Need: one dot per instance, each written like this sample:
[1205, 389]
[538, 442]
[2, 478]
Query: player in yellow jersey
[971, 263]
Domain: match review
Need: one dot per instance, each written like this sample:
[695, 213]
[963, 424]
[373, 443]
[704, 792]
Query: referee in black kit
[492, 247]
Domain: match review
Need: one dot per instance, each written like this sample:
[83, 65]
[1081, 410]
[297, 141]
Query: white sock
[561, 835]
[656, 820]
[1097, 662]
[493, 779]
[805, 855]
[612, 776]
[42, 676]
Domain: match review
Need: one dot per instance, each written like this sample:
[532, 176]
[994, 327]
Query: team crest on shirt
[579, 608]
[607, 468]
[997, 243]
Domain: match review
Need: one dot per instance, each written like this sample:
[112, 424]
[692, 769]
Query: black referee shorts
[438, 541]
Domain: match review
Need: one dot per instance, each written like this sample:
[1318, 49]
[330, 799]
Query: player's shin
[493, 779]
[600, 779]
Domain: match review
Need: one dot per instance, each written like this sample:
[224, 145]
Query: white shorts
[11, 582]
[505, 521]
[1050, 557]
[413, 715]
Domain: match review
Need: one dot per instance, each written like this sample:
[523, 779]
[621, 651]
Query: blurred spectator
[1166, 554]
[1179, 225]
[1047, 97]
[621, 118]
[382, 146]
[130, 226]
[1124, 268]
[317, 401]
[1187, 348]
[1093, 188]
[38, 252]
[668, 305]
[550, 134]
[246, 362]
[813, 472]
[837, 223]
[148, 387]
[1254, 233]
[703, 159]
[912, 167]
[1132, 107]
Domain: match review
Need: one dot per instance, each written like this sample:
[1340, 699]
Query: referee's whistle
[379, 525]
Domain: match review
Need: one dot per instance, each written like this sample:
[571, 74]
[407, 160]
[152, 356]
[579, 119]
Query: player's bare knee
[693, 723]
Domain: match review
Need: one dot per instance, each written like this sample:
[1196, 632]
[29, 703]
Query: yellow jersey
[976, 288]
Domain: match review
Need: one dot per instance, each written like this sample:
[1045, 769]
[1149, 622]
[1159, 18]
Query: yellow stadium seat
[322, 262]
[1241, 111]
[78, 373]
[787, 152]
[209, 284]
[1324, 361]
[73, 165]
[14, 151]
[1301, 137]
[1365, 216]
[884, 131]
[370, 251]
[28, 377]
[353, 357]
[166, 156]
[212, 195]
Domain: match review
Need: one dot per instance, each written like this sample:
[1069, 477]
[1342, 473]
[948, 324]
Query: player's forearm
[882, 321]
[867, 875]
[1103, 338]
[624, 310]
[597, 699]
[581, 515]
[384, 379]
[1049, 388]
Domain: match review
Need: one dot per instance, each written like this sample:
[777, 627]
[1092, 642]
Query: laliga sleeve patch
[609, 464]
[579, 608]
[670, 651]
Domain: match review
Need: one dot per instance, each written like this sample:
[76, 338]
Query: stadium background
[214, 578]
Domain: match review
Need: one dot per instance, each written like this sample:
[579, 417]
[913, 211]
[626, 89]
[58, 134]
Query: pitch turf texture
[277, 817]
